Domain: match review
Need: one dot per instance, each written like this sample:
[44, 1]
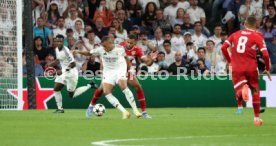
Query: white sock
[130, 99]
[256, 118]
[90, 105]
[80, 90]
[58, 98]
[114, 101]
[240, 107]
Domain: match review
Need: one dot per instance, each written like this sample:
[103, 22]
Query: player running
[67, 76]
[131, 51]
[115, 62]
[244, 63]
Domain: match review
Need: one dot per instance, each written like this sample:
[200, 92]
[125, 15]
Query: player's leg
[97, 94]
[140, 95]
[253, 82]
[239, 81]
[58, 97]
[108, 84]
[129, 96]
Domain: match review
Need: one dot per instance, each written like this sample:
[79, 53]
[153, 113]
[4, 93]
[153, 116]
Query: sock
[239, 101]
[256, 103]
[97, 94]
[58, 98]
[114, 101]
[142, 99]
[80, 90]
[130, 99]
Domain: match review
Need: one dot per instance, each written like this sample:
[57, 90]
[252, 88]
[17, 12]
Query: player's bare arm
[85, 53]
[54, 63]
[148, 60]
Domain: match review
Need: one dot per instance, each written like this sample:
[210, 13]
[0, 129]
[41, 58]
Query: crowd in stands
[185, 33]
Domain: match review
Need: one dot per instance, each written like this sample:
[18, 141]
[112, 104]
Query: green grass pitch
[169, 127]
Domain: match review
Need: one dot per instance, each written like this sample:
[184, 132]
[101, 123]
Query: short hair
[177, 25]
[59, 36]
[167, 42]
[61, 17]
[167, 32]
[69, 30]
[189, 44]
[201, 48]
[197, 22]
[133, 37]
[271, 5]
[161, 53]
[251, 20]
[105, 39]
[90, 31]
[210, 41]
[38, 37]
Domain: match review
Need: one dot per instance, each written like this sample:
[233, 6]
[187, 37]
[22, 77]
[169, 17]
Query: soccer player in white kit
[67, 76]
[115, 63]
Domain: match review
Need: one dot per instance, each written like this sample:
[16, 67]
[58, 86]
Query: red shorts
[251, 78]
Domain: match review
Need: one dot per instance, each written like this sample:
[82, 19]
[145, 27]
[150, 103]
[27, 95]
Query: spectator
[190, 53]
[211, 53]
[71, 20]
[52, 49]
[145, 44]
[198, 38]
[149, 16]
[91, 65]
[83, 8]
[52, 15]
[45, 33]
[268, 30]
[91, 41]
[79, 59]
[271, 47]
[184, 4]
[71, 42]
[69, 34]
[37, 9]
[134, 11]
[104, 13]
[216, 37]
[111, 4]
[201, 54]
[161, 61]
[177, 67]
[179, 17]
[78, 30]
[169, 53]
[202, 68]
[158, 39]
[92, 6]
[135, 30]
[62, 6]
[144, 3]
[161, 22]
[119, 6]
[6, 69]
[257, 4]
[167, 35]
[121, 15]
[196, 13]
[39, 50]
[99, 28]
[271, 13]
[50, 58]
[120, 33]
[60, 30]
[170, 11]
[187, 26]
[177, 40]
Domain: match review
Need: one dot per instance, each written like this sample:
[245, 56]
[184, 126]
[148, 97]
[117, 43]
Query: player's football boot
[59, 111]
[126, 115]
[89, 112]
[245, 95]
[262, 110]
[258, 122]
[137, 114]
[239, 111]
[146, 115]
[93, 84]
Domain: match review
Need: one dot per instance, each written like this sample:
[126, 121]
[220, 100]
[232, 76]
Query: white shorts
[69, 78]
[112, 77]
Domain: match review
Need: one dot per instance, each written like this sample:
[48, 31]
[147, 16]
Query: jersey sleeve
[70, 57]
[224, 48]
[139, 52]
[261, 45]
[122, 52]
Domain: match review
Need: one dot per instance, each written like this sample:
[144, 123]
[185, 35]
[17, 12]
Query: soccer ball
[99, 110]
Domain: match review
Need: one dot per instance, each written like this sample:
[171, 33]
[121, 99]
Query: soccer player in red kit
[132, 51]
[244, 63]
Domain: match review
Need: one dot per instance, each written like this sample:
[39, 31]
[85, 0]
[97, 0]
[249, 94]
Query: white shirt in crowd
[158, 44]
[200, 41]
[121, 35]
[215, 39]
[169, 57]
[196, 14]
[69, 23]
[65, 57]
[61, 31]
[178, 44]
[170, 11]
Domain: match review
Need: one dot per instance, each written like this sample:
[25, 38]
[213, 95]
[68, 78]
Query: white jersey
[112, 60]
[65, 57]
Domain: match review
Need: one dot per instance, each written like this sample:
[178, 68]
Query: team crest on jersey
[133, 53]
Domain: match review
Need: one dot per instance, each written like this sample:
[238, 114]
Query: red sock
[142, 99]
[256, 104]
[97, 94]
[239, 101]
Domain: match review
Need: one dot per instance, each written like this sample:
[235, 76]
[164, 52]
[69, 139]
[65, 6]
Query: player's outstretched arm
[54, 63]
[148, 60]
[85, 53]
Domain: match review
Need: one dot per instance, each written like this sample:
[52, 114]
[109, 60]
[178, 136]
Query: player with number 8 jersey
[245, 74]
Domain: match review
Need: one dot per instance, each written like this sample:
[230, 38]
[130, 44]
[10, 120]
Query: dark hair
[162, 53]
[265, 27]
[61, 17]
[167, 32]
[210, 41]
[69, 30]
[133, 37]
[177, 25]
[59, 36]
[123, 5]
[105, 39]
[201, 48]
[38, 37]
[251, 20]
[197, 23]
[189, 44]
[146, 9]
[271, 5]
[167, 42]
[90, 31]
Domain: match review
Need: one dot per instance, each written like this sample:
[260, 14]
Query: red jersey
[134, 52]
[244, 44]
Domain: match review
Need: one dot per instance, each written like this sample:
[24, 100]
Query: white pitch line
[108, 142]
